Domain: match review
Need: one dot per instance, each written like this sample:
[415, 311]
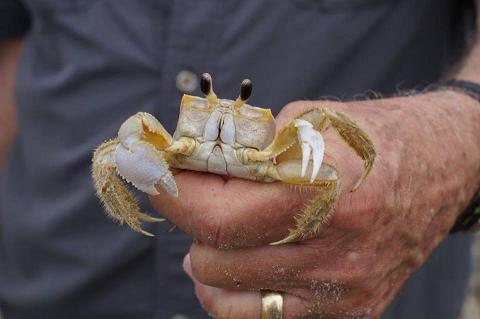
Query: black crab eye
[246, 89]
[206, 83]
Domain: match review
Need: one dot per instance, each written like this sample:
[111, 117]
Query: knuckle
[301, 106]
[218, 307]
[356, 277]
[207, 301]
[359, 269]
[216, 229]
[415, 260]
[296, 106]
[225, 226]
[211, 231]
[360, 312]
[228, 313]
[206, 269]
[344, 308]
[200, 268]
[358, 211]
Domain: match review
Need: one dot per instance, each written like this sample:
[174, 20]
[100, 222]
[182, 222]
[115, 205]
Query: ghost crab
[230, 138]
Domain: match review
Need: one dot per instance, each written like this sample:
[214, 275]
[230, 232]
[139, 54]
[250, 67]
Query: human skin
[9, 54]
[425, 174]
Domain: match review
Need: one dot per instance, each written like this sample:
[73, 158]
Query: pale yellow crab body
[222, 134]
[225, 137]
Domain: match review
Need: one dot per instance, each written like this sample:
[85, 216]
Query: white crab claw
[305, 158]
[312, 143]
[143, 166]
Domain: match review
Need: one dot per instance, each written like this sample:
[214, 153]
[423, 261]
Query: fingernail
[187, 266]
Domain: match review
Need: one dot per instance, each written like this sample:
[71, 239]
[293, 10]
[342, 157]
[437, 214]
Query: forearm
[456, 118]
[467, 128]
[438, 153]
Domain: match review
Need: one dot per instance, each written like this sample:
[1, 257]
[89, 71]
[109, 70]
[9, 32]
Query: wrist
[432, 148]
[461, 116]
[469, 219]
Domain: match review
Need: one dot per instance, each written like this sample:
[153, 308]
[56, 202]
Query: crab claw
[312, 143]
[144, 166]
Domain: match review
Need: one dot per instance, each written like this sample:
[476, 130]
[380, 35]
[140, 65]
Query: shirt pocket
[338, 5]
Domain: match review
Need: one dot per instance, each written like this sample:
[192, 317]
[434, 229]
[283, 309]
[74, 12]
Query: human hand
[425, 173]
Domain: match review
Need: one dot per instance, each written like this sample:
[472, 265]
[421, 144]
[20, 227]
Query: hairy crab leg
[286, 144]
[119, 203]
[291, 150]
[138, 155]
[317, 212]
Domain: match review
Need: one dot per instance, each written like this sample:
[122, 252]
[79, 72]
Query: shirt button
[180, 316]
[186, 81]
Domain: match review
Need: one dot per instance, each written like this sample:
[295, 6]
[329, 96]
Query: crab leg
[119, 203]
[137, 154]
[286, 144]
[184, 146]
[298, 152]
[315, 214]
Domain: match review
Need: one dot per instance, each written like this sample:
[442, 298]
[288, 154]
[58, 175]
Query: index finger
[232, 213]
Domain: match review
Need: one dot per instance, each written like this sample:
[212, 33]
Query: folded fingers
[231, 213]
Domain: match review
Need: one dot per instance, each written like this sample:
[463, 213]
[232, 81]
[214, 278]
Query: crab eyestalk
[245, 93]
[206, 85]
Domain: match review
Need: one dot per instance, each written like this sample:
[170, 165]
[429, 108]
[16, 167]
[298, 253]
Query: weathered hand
[426, 171]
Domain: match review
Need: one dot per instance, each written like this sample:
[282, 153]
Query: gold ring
[272, 305]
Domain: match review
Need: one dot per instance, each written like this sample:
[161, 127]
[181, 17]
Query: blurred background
[471, 309]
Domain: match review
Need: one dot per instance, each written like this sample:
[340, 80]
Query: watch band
[469, 219]
[469, 88]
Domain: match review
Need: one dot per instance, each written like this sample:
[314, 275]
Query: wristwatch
[469, 220]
